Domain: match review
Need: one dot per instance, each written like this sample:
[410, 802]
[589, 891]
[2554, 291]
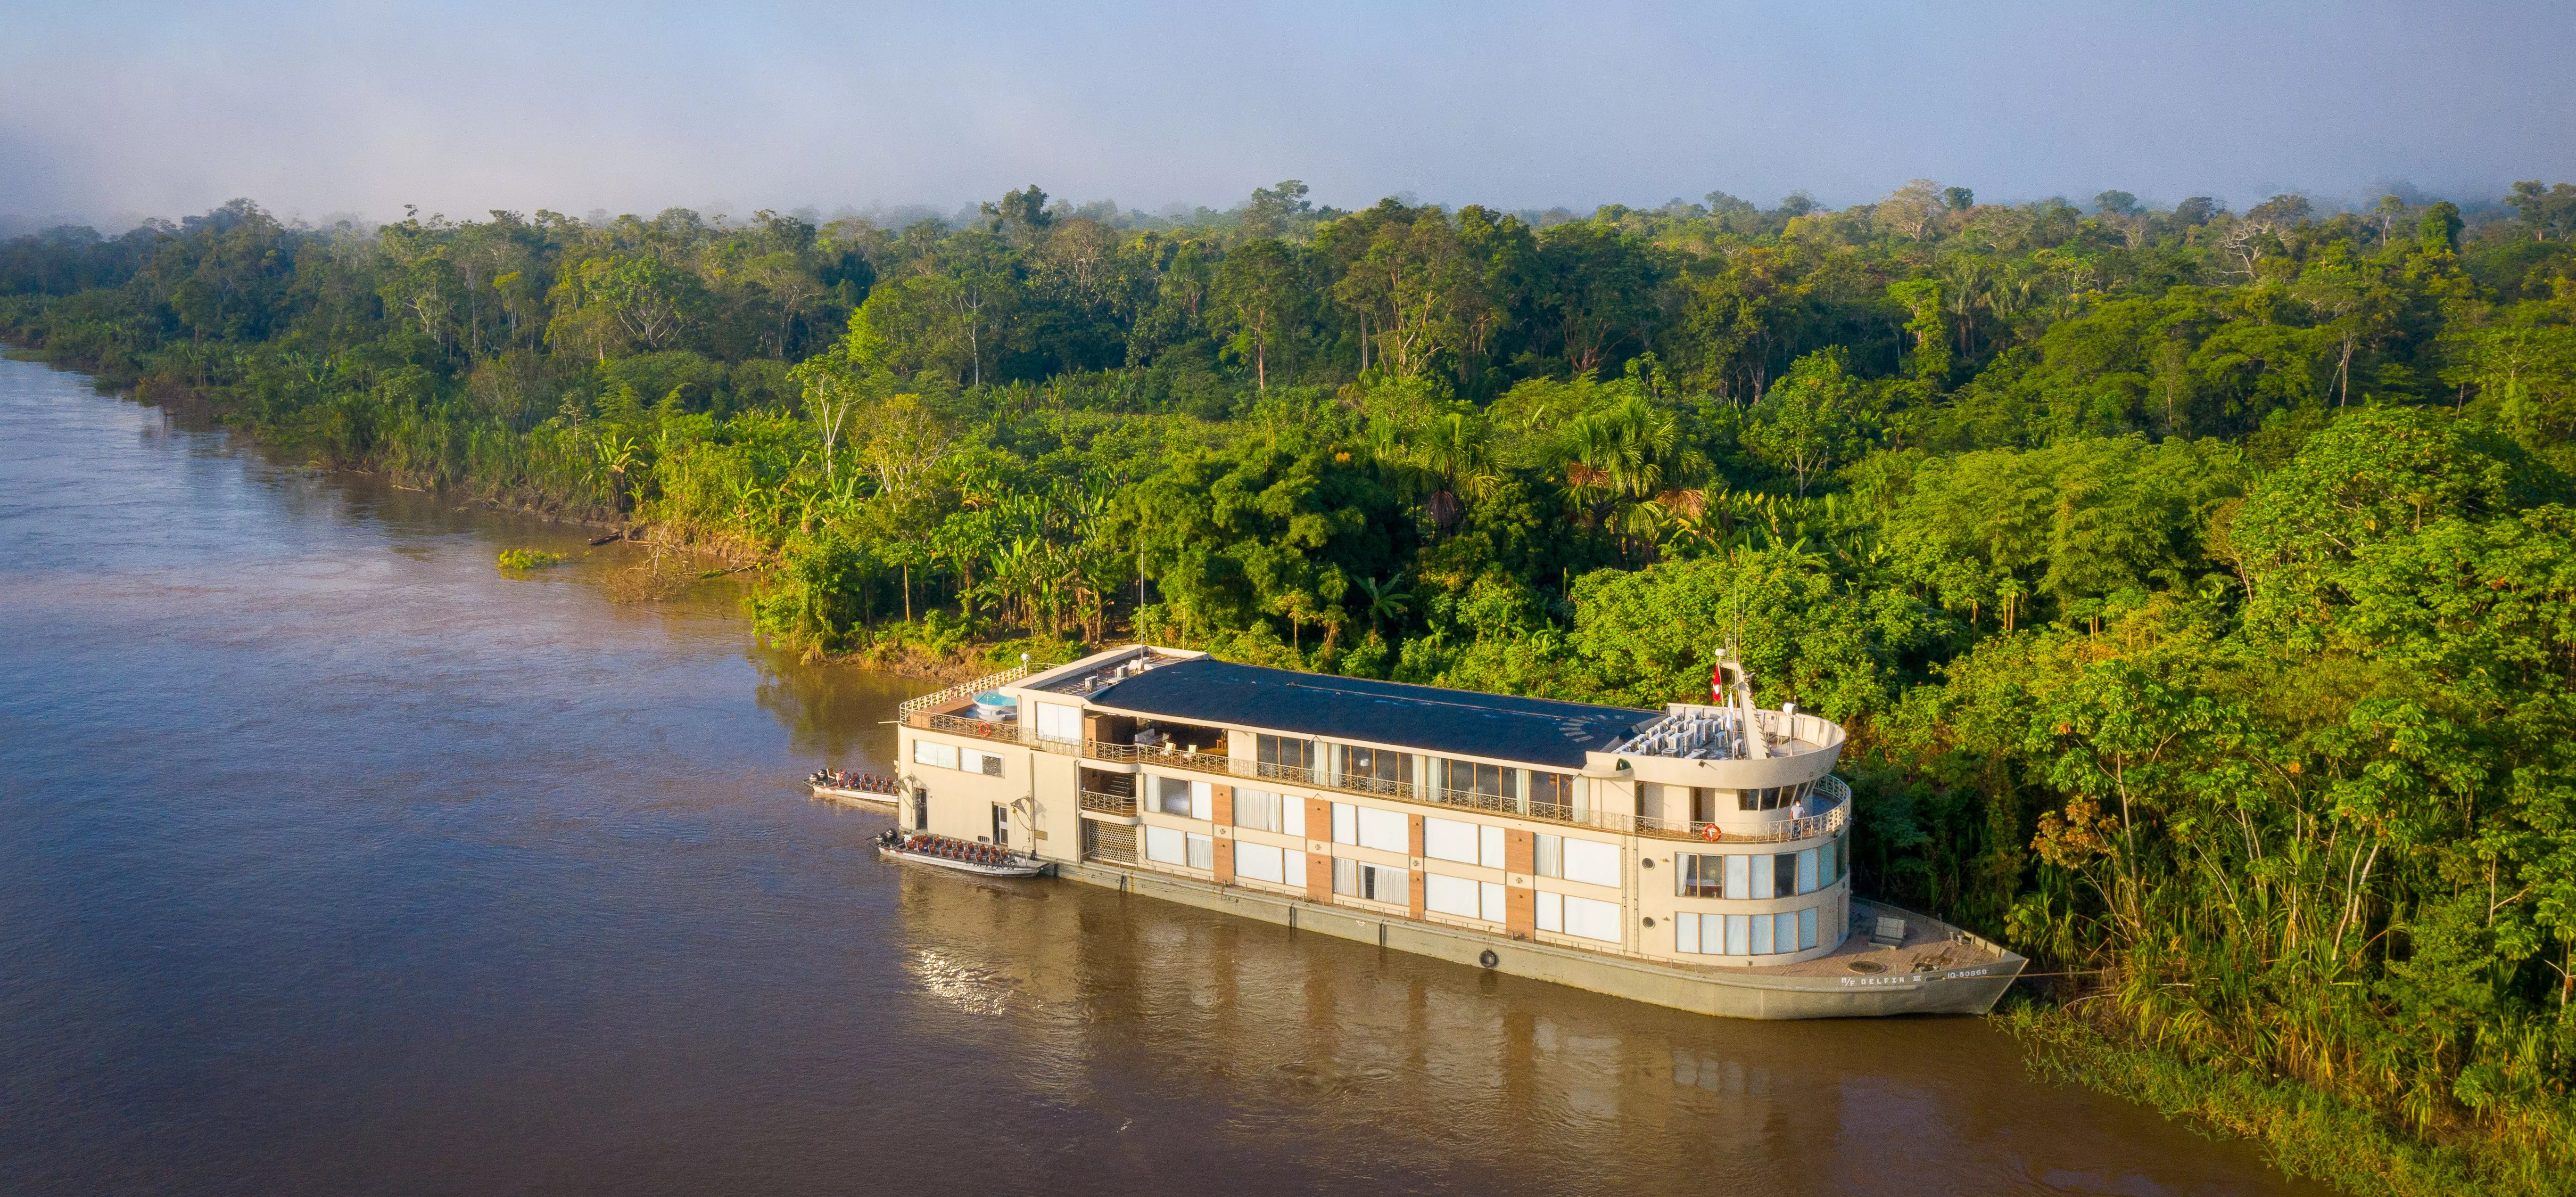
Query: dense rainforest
[2199, 585]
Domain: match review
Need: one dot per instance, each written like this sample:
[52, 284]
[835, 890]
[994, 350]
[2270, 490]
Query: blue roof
[1538, 731]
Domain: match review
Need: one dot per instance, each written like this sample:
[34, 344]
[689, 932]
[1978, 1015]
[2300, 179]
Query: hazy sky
[315, 108]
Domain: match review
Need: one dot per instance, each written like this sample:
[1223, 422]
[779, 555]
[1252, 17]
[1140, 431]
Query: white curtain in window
[1292, 816]
[1385, 830]
[1449, 839]
[1551, 912]
[1260, 862]
[1489, 895]
[1296, 871]
[1686, 933]
[1450, 895]
[925, 752]
[1165, 845]
[1591, 861]
[1489, 847]
[1346, 823]
[1202, 852]
[1058, 722]
[1592, 920]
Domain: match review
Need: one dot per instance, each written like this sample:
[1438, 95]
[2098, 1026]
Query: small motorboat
[853, 787]
[983, 860]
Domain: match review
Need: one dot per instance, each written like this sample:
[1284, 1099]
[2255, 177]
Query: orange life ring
[1711, 833]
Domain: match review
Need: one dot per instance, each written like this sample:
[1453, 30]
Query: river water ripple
[333, 861]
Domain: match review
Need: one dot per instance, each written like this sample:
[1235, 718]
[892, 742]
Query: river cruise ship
[1695, 857]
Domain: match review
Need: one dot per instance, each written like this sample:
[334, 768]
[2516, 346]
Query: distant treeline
[2200, 586]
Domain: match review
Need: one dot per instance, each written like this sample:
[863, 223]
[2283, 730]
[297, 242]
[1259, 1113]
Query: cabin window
[979, 762]
[926, 752]
[1284, 757]
[1451, 895]
[1256, 809]
[1202, 851]
[1166, 845]
[1699, 876]
[1449, 839]
[1385, 830]
[1551, 794]
[1807, 871]
[1479, 785]
[1550, 855]
[1746, 935]
[1825, 859]
[1056, 721]
[1773, 798]
[1260, 862]
[1185, 798]
[1592, 862]
[1784, 874]
[1489, 847]
[1346, 823]
[1377, 770]
[1592, 920]
[1376, 883]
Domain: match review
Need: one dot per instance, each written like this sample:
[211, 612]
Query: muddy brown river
[334, 861]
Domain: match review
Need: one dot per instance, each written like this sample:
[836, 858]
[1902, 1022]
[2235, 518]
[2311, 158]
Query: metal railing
[1155, 754]
[965, 690]
[1830, 791]
[1113, 804]
[959, 725]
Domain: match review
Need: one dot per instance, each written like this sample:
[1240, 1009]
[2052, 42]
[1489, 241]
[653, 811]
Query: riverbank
[2303, 1131]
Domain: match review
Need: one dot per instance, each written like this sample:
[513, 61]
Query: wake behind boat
[854, 787]
[983, 860]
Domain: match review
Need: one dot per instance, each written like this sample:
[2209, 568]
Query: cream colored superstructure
[1630, 858]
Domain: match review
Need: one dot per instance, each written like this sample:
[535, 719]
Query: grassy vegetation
[517, 559]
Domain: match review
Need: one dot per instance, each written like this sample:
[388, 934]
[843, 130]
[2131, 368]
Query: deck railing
[1156, 754]
[965, 690]
[1829, 789]
[1111, 804]
[1830, 793]
[959, 725]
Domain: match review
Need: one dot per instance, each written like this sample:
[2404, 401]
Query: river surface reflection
[334, 861]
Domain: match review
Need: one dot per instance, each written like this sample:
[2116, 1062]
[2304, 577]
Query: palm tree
[1386, 600]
